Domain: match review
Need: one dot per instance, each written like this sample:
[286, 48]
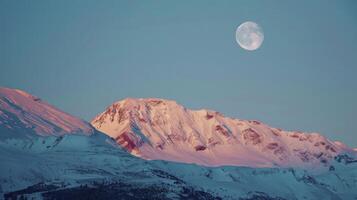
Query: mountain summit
[162, 129]
[22, 113]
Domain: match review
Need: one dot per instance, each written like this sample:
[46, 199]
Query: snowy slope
[162, 129]
[72, 166]
[22, 113]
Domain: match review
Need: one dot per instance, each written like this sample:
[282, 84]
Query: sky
[83, 55]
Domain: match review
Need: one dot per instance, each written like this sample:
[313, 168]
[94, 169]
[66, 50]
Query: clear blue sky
[83, 55]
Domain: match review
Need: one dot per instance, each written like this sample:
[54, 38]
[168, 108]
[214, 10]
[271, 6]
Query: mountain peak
[162, 129]
[157, 104]
[22, 113]
[13, 93]
[147, 101]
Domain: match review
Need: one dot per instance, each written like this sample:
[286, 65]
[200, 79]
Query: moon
[249, 36]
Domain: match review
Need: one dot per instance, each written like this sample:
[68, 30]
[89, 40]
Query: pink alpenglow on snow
[22, 113]
[164, 130]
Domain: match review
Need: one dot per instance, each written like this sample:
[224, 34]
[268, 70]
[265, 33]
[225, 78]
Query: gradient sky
[83, 55]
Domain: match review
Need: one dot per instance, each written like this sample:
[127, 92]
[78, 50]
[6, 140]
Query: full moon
[249, 36]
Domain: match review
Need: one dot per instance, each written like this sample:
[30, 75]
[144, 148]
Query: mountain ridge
[159, 129]
[69, 165]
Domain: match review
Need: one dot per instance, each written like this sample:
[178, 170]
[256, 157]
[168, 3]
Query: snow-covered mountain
[164, 130]
[22, 113]
[52, 164]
